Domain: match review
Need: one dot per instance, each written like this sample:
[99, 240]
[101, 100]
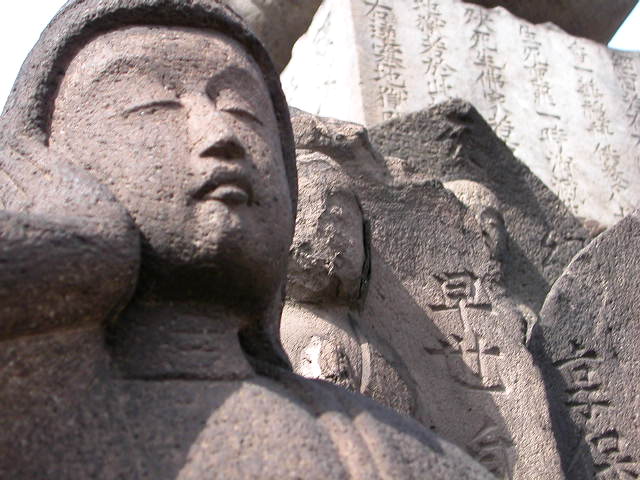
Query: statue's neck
[179, 341]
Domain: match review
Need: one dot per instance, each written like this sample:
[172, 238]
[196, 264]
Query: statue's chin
[221, 273]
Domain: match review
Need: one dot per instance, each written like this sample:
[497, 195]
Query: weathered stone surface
[598, 21]
[451, 142]
[173, 112]
[432, 298]
[436, 298]
[587, 345]
[277, 23]
[329, 271]
[566, 106]
[329, 257]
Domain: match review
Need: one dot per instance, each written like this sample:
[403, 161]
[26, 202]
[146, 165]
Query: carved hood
[28, 111]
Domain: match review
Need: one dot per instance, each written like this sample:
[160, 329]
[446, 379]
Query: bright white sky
[21, 22]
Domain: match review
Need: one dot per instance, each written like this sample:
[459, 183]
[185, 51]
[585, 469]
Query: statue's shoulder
[372, 440]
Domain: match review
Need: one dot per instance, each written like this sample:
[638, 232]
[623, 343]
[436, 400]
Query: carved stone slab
[584, 18]
[587, 344]
[435, 298]
[160, 362]
[567, 107]
[453, 143]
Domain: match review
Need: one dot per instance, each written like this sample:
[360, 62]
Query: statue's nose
[212, 134]
[226, 148]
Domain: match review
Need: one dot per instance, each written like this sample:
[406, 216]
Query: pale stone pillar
[568, 107]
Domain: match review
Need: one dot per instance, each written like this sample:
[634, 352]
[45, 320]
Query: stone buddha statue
[148, 206]
[322, 329]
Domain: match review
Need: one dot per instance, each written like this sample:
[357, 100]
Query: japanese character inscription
[431, 23]
[491, 77]
[538, 68]
[388, 57]
[553, 136]
[598, 123]
[473, 362]
[585, 393]
[629, 79]
[580, 372]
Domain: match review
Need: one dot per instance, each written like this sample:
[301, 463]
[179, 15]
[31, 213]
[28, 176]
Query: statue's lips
[229, 187]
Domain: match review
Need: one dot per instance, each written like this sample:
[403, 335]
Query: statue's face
[328, 252]
[180, 125]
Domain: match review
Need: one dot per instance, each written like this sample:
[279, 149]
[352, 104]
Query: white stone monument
[568, 107]
[598, 21]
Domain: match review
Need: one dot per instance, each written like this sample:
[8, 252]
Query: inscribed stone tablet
[435, 298]
[587, 344]
[567, 107]
[584, 18]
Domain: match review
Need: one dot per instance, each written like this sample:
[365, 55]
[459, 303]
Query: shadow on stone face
[471, 420]
[329, 271]
[389, 317]
[451, 141]
[575, 455]
[422, 245]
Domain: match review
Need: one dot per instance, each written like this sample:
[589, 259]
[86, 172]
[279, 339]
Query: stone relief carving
[435, 296]
[154, 296]
[453, 143]
[329, 270]
[148, 217]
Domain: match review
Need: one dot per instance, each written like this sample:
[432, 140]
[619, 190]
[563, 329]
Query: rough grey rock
[174, 114]
[277, 23]
[436, 298]
[451, 142]
[587, 345]
[598, 21]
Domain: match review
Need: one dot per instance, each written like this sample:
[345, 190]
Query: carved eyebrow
[243, 113]
[246, 98]
[167, 104]
[233, 75]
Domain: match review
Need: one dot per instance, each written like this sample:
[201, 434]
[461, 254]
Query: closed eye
[243, 114]
[150, 108]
